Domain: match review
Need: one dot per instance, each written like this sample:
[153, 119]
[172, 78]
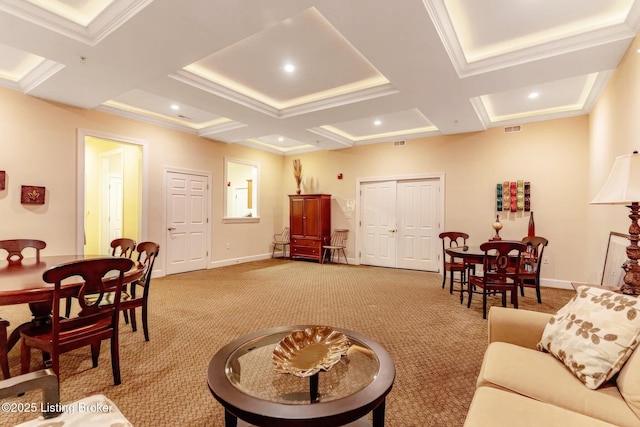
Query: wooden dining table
[22, 283]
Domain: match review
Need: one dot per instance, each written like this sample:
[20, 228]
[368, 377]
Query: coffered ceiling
[291, 76]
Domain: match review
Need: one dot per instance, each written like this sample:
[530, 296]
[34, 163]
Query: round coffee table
[242, 377]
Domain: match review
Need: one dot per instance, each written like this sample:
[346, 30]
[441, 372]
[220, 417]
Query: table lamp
[623, 188]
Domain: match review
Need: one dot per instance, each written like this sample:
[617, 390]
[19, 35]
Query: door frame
[440, 176]
[81, 135]
[209, 202]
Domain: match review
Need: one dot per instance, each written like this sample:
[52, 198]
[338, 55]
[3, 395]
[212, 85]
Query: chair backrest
[533, 255]
[339, 237]
[286, 235]
[96, 278]
[502, 260]
[147, 253]
[123, 247]
[452, 239]
[15, 247]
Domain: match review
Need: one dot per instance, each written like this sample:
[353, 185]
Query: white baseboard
[233, 261]
[553, 283]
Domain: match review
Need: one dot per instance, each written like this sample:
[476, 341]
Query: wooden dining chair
[93, 324]
[337, 245]
[123, 247]
[452, 239]
[529, 276]
[138, 295]
[500, 267]
[14, 247]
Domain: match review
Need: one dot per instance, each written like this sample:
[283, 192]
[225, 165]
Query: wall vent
[400, 143]
[510, 129]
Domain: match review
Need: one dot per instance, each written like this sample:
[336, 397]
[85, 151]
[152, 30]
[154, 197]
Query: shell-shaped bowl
[305, 353]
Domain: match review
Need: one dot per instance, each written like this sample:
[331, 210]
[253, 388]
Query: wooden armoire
[310, 224]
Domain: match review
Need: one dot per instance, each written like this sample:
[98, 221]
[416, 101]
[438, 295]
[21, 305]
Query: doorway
[111, 190]
[399, 221]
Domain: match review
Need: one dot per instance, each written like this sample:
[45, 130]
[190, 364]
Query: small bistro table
[242, 377]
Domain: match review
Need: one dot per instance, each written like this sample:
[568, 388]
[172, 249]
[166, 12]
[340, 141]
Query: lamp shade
[623, 184]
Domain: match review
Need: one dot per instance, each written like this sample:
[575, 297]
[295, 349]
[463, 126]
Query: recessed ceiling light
[534, 95]
[377, 122]
[280, 139]
[175, 107]
[289, 68]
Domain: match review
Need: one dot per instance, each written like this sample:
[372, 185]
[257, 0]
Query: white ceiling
[364, 71]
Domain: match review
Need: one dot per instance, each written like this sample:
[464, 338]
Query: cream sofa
[521, 386]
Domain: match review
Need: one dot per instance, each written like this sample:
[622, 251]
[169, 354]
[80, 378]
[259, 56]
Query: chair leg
[345, 256]
[134, 324]
[451, 274]
[25, 358]
[115, 358]
[444, 277]
[67, 308]
[538, 293]
[4, 349]
[125, 315]
[484, 303]
[95, 353]
[145, 323]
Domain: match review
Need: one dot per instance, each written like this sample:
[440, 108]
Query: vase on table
[532, 226]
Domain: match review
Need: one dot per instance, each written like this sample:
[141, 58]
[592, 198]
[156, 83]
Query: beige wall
[566, 161]
[614, 131]
[552, 155]
[38, 147]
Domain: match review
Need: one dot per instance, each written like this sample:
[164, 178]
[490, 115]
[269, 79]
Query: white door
[116, 209]
[379, 224]
[187, 201]
[417, 236]
[399, 221]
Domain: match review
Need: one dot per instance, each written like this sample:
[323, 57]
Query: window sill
[243, 220]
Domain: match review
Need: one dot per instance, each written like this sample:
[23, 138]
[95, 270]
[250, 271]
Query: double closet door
[399, 224]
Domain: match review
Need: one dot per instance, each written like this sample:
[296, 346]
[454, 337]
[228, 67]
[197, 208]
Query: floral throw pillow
[594, 334]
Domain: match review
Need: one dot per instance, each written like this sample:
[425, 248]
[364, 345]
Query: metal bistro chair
[338, 244]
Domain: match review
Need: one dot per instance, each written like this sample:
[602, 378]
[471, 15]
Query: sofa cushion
[492, 407]
[542, 377]
[629, 384]
[594, 334]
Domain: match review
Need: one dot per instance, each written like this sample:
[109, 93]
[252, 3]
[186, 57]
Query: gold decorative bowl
[305, 353]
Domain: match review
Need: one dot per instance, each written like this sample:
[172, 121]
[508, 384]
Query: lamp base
[631, 284]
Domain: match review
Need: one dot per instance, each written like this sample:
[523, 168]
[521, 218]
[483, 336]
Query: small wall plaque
[3, 180]
[32, 195]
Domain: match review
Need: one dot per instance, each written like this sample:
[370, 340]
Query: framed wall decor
[616, 256]
[3, 180]
[32, 195]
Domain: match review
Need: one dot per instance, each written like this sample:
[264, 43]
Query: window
[241, 195]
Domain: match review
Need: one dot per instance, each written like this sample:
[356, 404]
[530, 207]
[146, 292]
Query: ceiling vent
[400, 143]
[184, 117]
[510, 129]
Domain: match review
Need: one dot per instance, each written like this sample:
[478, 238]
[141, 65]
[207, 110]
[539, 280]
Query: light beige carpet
[436, 343]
